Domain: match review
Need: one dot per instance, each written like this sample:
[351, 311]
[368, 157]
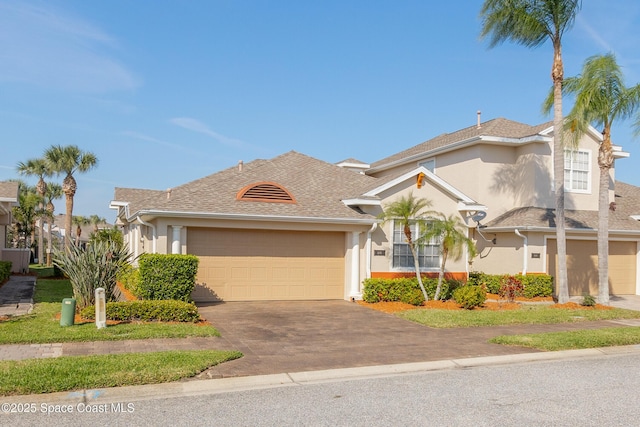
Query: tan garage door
[250, 265]
[582, 266]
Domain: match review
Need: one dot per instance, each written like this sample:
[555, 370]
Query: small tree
[408, 210]
[451, 233]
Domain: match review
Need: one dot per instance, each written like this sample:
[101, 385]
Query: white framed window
[429, 164]
[577, 171]
[428, 252]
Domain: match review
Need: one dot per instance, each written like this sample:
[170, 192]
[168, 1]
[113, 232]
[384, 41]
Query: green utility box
[68, 312]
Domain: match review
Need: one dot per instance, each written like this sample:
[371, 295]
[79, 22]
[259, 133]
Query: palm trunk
[605, 161]
[40, 229]
[416, 264]
[557, 74]
[440, 276]
[67, 221]
[49, 243]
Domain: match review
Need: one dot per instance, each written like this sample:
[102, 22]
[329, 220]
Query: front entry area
[255, 265]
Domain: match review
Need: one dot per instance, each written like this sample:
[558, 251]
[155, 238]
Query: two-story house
[295, 227]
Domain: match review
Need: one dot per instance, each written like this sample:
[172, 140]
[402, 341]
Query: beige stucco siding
[241, 264]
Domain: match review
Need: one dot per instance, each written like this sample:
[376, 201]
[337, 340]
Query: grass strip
[35, 376]
[525, 315]
[42, 326]
[572, 340]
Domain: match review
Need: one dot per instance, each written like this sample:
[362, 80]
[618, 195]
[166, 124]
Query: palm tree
[79, 221]
[96, 220]
[39, 168]
[407, 211]
[451, 233]
[531, 23]
[600, 98]
[25, 215]
[68, 160]
[53, 192]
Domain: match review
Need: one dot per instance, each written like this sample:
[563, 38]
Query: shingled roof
[627, 203]
[9, 190]
[317, 187]
[500, 128]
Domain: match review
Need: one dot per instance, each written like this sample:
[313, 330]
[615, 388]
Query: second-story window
[577, 170]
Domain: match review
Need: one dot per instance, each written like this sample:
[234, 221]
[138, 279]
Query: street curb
[129, 394]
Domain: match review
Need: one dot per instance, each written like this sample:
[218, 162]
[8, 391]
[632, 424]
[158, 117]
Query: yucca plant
[92, 268]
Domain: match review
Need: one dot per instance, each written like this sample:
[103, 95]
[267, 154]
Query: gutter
[244, 217]
[525, 255]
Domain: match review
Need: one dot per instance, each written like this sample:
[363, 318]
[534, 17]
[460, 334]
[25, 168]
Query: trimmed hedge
[5, 270]
[470, 297]
[158, 310]
[534, 285]
[167, 276]
[129, 276]
[405, 289]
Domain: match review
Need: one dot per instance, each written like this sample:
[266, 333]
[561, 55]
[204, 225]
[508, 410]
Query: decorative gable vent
[265, 192]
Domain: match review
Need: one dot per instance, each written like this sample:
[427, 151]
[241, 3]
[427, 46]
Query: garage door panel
[582, 266]
[244, 264]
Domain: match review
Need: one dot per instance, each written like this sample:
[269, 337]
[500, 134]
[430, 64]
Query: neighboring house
[294, 227]
[8, 199]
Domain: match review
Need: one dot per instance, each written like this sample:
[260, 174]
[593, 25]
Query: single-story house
[295, 227]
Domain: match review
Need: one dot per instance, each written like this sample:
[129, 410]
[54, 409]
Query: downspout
[153, 228]
[525, 254]
[368, 251]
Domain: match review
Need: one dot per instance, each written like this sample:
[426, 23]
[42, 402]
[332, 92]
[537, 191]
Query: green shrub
[588, 301]
[491, 282]
[147, 311]
[470, 297]
[405, 289]
[534, 285]
[5, 270]
[129, 276]
[95, 266]
[167, 276]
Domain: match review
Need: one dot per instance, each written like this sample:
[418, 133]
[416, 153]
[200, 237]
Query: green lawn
[525, 315]
[70, 373]
[87, 372]
[554, 341]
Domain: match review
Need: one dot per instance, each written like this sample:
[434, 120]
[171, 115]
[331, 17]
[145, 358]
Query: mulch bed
[396, 306]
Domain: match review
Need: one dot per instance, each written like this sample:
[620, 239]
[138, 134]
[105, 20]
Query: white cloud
[153, 140]
[197, 126]
[50, 48]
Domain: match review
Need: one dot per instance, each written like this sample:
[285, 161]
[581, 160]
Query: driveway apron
[279, 336]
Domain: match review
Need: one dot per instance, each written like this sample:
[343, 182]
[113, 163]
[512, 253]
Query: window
[577, 170]
[428, 252]
[429, 165]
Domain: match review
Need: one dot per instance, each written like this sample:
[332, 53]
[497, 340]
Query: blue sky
[164, 92]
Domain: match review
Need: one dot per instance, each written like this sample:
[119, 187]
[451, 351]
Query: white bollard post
[101, 309]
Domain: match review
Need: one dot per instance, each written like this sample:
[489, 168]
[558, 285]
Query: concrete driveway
[278, 336]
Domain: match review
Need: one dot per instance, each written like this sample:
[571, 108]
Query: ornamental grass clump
[95, 266]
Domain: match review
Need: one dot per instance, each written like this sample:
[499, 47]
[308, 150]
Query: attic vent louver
[265, 192]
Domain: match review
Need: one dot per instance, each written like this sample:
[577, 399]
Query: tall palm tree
[79, 221]
[53, 192]
[39, 168]
[407, 211]
[69, 160]
[451, 233]
[601, 97]
[531, 23]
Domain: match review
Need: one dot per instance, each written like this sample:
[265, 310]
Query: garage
[254, 265]
[582, 266]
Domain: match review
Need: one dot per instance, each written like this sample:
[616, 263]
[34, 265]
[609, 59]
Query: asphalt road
[594, 391]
